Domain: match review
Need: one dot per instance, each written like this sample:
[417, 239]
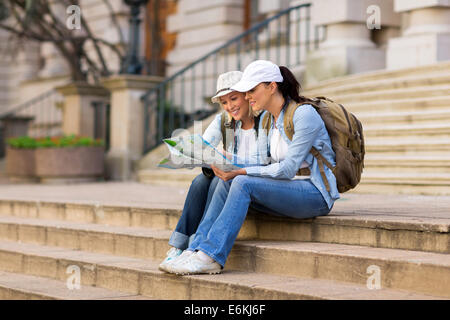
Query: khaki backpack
[347, 139]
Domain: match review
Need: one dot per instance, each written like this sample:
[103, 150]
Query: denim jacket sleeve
[307, 126]
[213, 133]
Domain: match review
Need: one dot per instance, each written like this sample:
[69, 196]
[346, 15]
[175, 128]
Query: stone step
[383, 186]
[383, 84]
[434, 130]
[109, 227]
[413, 182]
[16, 286]
[141, 277]
[424, 146]
[405, 117]
[272, 257]
[357, 79]
[178, 177]
[417, 178]
[411, 178]
[420, 104]
[407, 163]
[392, 94]
[402, 156]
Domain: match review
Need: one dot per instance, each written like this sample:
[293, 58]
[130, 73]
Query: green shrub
[53, 142]
[22, 142]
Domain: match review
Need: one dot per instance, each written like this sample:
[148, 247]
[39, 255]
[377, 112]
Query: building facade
[361, 35]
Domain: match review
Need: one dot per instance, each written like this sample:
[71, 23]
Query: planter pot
[20, 165]
[71, 164]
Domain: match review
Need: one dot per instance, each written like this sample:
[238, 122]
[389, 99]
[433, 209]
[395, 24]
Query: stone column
[426, 34]
[348, 47]
[126, 123]
[78, 112]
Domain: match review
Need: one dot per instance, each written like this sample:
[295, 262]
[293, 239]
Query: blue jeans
[197, 201]
[226, 213]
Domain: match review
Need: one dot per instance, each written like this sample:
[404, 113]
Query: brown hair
[290, 87]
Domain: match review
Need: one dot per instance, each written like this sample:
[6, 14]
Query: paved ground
[133, 194]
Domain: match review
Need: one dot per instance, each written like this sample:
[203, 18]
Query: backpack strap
[321, 161]
[288, 120]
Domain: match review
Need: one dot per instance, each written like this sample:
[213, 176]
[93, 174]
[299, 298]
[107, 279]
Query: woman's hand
[225, 176]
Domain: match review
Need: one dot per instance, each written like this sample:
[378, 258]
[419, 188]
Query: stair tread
[405, 140]
[412, 157]
[412, 100]
[95, 227]
[318, 247]
[417, 175]
[313, 288]
[367, 217]
[410, 81]
[407, 126]
[371, 114]
[439, 68]
[45, 288]
[345, 250]
[426, 90]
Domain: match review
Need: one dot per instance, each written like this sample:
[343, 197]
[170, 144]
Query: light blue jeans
[228, 208]
[197, 201]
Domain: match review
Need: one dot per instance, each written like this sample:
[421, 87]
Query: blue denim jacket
[213, 134]
[309, 130]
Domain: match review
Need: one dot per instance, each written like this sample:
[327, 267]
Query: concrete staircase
[406, 119]
[117, 249]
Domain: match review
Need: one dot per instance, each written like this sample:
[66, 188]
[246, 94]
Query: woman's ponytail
[290, 87]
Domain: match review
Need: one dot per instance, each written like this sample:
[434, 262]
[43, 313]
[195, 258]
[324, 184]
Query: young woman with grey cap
[275, 188]
[243, 145]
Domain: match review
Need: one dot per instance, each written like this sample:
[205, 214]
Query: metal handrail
[162, 96]
[26, 104]
[42, 109]
[253, 29]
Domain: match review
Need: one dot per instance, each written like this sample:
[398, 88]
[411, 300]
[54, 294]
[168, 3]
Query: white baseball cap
[224, 83]
[256, 72]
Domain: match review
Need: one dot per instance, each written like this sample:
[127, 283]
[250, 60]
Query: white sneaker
[195, 265]
[171, 255]
[177, 260]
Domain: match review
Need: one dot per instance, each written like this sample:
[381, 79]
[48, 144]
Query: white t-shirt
[247, 144]
[279, 149]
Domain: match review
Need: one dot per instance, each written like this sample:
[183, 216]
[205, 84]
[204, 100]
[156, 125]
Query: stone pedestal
[349, 47]
[78, 112]
[426, 34]
[126, 123]
[13, 126]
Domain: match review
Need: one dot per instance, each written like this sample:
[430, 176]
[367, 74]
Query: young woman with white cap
[242, 142]
[274, 188]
